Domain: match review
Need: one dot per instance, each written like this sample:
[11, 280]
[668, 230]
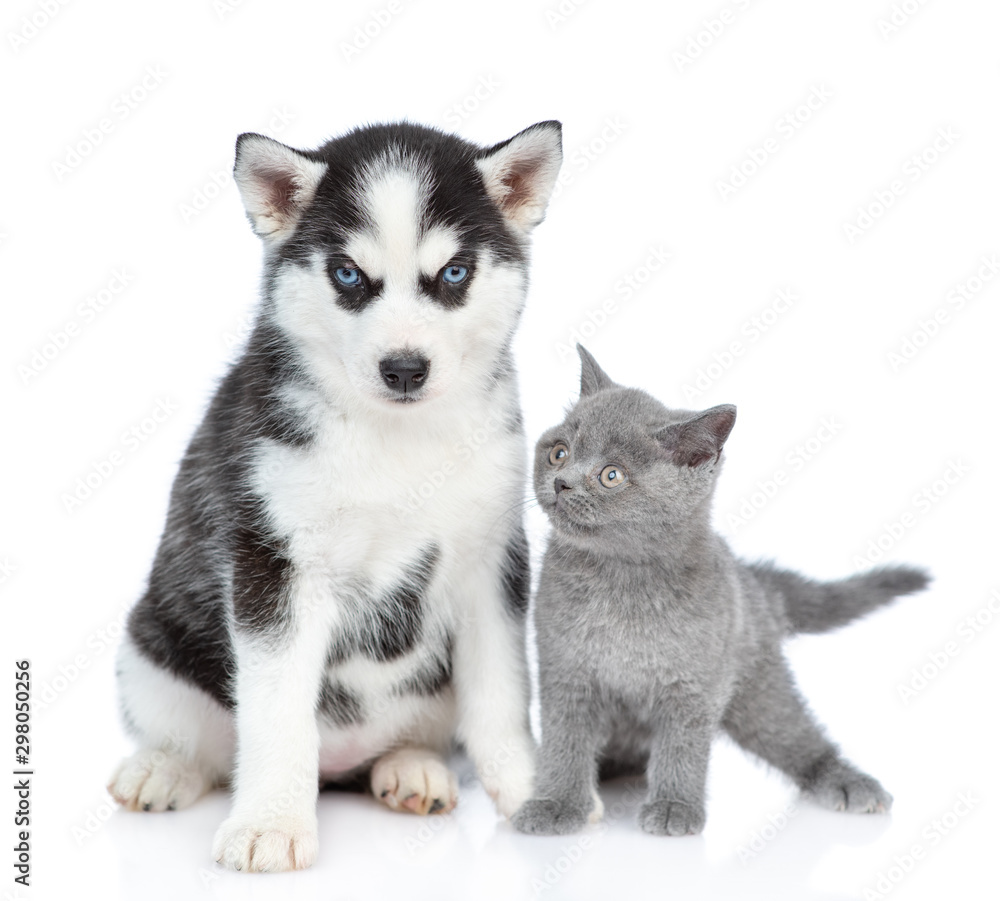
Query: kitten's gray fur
[652, 636]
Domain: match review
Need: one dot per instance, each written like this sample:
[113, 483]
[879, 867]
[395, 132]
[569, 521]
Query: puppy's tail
[811, 606]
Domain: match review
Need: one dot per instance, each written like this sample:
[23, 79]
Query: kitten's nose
[562, 485]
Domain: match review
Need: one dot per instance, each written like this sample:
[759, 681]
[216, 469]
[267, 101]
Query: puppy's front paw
[284, 844]
[543, 816]
[509, 778]
[672, 818]
[157, 780]
[414, 780]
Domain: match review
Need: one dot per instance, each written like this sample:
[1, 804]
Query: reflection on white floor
[761, 842]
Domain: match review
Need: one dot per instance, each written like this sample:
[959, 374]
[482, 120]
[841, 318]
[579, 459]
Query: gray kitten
[652, 635]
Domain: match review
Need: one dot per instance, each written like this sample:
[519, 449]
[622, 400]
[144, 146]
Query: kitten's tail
[811, 606]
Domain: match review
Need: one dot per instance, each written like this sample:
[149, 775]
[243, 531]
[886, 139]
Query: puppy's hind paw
[414, 780]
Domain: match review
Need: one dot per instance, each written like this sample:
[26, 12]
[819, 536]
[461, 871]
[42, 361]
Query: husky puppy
[341, 585]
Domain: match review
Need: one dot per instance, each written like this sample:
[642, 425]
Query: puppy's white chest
[359, 503]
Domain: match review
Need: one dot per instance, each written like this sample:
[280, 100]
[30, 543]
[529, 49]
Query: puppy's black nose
[404, 374]
[562, 485]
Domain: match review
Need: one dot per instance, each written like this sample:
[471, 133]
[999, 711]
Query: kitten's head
[622, 466]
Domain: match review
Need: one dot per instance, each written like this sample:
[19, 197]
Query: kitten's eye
[348, 276]
[558, 454]
[612, 476]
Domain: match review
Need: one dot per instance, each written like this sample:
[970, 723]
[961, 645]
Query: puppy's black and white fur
[341, 585]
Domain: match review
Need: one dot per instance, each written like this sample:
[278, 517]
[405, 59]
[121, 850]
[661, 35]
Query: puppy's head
[396, 254]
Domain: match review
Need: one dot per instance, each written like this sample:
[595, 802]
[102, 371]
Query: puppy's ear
[699, 439]
[520, 173]
[276, 184]
[592, 377]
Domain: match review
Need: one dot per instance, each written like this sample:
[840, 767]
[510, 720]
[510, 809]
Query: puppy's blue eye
[454, 275]
[347, 276]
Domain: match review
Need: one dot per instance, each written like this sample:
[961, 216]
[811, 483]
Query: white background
[649, 138]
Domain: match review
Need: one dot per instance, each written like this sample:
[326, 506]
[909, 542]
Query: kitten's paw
[665, 817]
[541, 816]
[414, 780]
[157, 780]
[286, 844]
[845, 789]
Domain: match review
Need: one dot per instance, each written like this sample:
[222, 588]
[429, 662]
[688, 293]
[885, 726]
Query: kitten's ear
[693, 442]
[520, 173]
[276, 184]
[592, 377]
